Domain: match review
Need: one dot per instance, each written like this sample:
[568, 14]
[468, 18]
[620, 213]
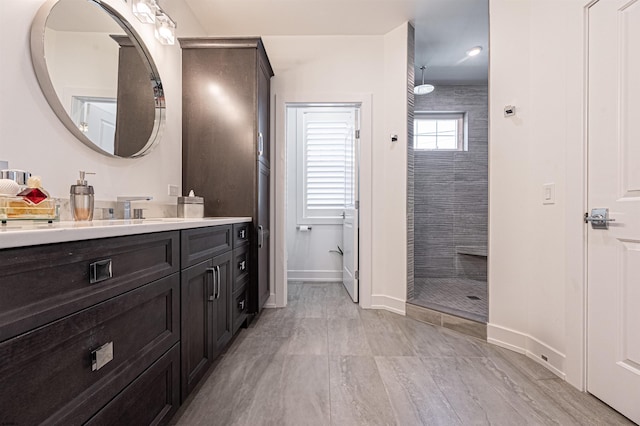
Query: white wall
[390, 180]
[352, 69]
[535, 264]
[308, 256]
[32, 137]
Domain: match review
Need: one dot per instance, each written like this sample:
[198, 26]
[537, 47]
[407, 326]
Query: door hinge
[358, 134]
[357, 204]
[357, 275]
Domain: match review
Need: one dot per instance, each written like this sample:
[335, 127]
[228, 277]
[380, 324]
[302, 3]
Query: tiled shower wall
[411, 49]
[451, 190]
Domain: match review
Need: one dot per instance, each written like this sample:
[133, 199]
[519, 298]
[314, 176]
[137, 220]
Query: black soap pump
[81, 199]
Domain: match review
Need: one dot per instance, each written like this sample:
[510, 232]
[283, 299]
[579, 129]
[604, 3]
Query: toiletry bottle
[81, 199]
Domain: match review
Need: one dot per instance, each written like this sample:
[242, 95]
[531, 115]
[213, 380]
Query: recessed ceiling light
[474, 51]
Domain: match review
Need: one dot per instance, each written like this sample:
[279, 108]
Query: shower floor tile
[462, 297]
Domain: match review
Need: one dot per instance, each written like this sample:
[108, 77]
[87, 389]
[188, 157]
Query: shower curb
[452, 322]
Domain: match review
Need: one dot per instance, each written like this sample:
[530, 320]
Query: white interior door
[350, 222]
[613, 345]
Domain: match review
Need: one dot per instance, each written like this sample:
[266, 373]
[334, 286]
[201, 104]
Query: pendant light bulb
[423, 89]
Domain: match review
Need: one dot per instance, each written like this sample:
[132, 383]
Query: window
[325, 151]
[438, 131]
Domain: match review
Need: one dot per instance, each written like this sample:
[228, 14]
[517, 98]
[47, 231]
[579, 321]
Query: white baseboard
[528, 345]
[314, 275]
[391, 304]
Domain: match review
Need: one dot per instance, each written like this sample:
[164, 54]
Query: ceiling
[445, 29]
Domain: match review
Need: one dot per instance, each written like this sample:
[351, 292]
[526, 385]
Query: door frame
[577, 243]
[279, 184]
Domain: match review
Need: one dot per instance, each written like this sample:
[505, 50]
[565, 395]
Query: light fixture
[474, 51]
[145, 10]
[423, 89]
[165, 29]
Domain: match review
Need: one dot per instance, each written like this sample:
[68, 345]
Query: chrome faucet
[124, 204]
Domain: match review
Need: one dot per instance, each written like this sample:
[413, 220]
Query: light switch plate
[173, 190]
[549, 193]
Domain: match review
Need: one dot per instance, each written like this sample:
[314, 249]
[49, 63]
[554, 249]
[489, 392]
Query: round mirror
[98, 77]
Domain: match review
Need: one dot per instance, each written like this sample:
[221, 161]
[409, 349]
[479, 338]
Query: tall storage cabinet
[225, 139]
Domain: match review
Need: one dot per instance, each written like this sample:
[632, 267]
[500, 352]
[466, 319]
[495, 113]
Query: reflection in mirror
[98, 76]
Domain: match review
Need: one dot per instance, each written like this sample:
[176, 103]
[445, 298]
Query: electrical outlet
[173, 190]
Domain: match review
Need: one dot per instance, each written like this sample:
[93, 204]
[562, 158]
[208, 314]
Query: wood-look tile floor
[324, 361]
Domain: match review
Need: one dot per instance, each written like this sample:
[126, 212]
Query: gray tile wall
[451, 190]
[410, 179]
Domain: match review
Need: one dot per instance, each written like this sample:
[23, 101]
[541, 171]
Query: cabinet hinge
[358, 134]
[357, 275]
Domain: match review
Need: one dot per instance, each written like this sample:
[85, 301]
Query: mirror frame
[39, 62]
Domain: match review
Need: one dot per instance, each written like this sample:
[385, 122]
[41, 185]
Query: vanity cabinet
[72, 346]
[117, 330]
[226, 139]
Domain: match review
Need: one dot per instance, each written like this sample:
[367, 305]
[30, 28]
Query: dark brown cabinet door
[206, 316]
[263, 235]
[264, 99]
[197, 317]
[222, 326]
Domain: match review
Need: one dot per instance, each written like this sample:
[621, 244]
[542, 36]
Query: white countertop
[30, 233]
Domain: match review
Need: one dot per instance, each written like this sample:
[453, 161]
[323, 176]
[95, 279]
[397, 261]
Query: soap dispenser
[81, 199]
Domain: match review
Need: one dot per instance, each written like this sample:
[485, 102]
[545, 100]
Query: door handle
[599, 218]
[260, 144]
[212, 271]
[218, 281]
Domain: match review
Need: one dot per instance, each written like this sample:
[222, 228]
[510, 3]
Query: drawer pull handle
[101, 356]
[242, 233]
[241, 305]
[100, 271]
[242, 265]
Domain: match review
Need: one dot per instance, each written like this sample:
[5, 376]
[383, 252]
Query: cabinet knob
[241, 305]
[242, 265]
[242, 233]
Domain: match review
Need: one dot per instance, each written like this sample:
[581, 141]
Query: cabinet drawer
[48, 374]
[239, 307]
[241, 234]
[200, 244]
[40, 284]
[240, 265]
[152, 399]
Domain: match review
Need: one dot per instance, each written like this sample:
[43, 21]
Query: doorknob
[599, 218]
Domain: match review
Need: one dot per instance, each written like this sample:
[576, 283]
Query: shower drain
[473, 297]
